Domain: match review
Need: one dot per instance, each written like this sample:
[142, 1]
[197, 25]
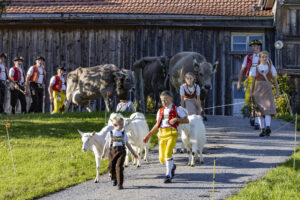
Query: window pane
[239, 47]
[255, 38]
[239, 39]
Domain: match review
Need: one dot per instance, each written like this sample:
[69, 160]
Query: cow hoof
[192, 165]
[204, 118]
[125, 165]
[96, 180]
[138, 166]
[189, 164]
[181, 151]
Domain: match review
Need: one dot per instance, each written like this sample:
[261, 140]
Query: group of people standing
[33, 82]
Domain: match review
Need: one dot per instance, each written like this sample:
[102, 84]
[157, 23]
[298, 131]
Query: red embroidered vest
[249, 64]
[35, 75]
[190, 96]
[172, 115]
[57, 85]
[17, 74]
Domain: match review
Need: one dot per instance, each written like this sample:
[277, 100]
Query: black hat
[18, 58]
[256, 42]
[40, 58]
[61, 68]
[3, 55]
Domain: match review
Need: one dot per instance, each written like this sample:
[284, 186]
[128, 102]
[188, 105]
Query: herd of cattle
[150, 76]
[193, 136]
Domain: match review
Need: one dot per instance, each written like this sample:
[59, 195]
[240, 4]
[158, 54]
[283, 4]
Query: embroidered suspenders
[117, 138]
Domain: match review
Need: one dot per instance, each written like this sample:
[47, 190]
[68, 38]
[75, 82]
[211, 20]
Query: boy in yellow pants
[55, 90]
[168, 118]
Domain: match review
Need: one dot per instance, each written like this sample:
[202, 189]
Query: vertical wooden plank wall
[74, 47]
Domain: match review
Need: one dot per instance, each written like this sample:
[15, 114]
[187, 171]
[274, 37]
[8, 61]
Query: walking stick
[12, 158]
[213, 191]
[107, 94]
[294, 165]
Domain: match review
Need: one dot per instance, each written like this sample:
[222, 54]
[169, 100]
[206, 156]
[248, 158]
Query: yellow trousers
[167, 142]
[58, 101]
[247, 85]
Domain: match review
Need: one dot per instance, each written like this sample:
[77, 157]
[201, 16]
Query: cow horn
[93, 133]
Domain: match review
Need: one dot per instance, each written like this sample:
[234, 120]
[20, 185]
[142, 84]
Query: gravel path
[241, 156]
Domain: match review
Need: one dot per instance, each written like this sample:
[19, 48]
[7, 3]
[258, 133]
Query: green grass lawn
[281, 183]
[47, 153]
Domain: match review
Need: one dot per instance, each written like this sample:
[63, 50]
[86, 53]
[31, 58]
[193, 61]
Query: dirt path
[241, 156]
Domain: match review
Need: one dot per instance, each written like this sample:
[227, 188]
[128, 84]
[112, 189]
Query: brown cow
[84, 84]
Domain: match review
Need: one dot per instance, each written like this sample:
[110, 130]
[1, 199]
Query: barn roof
[241, 8]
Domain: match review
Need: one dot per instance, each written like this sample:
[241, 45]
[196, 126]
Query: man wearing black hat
[250, 60]
[3, 79]
[17, 76]
[36, 75]
[56, 93]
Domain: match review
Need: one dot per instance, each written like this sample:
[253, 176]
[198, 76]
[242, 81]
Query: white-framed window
[240, 41]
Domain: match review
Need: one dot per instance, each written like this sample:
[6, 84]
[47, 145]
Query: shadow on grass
[59, 126]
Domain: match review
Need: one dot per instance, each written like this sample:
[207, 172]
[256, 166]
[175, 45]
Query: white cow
[92, 141]
[193, 136]
[137, 128]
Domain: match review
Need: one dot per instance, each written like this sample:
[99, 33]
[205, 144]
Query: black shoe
[256, 127]
[114, 182]
[120, 187]
[173, 170]
[268, 131]
[252, 121]
[262, 133]
[167, 179]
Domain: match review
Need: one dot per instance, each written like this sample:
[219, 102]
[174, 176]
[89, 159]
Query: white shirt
[63, 85]
[116, 133]
[255, 60]
[125, 107]
[41, 74]
[3, 74]
[165, 119]
[263, 69]
[12, 73]
[189, 90]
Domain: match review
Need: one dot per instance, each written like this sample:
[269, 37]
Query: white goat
[193, 137]
[92, 141]
[137, 128]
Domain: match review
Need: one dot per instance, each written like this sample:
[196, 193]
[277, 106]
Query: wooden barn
[85, 33]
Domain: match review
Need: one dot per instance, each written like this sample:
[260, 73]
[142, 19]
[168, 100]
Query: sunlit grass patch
[47, 153]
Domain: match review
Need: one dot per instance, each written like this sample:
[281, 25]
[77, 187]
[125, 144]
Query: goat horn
[93, 133]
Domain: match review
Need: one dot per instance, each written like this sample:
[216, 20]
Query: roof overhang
[138, 19]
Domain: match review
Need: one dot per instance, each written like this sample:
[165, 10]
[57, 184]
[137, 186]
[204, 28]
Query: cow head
[87, 140]
[72, 82]
[203, 72]
[124, 81]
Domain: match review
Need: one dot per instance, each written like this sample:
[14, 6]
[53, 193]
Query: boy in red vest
[17, 77]
[168, 118]
[55, 90]
[3, 79]
[36, 75]
[250, 61]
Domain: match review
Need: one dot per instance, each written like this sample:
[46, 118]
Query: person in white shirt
[3, 79]
[116, 141]
[56, 94]
[36, 79]
[190, 95]
[125, 106]
[17, 92]
[250, 61]
[262, 93]
[168, 119]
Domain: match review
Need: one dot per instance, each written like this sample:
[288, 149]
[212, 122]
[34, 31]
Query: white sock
[261, 122]
[169, 166]
[268, 120]
[256, 120]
